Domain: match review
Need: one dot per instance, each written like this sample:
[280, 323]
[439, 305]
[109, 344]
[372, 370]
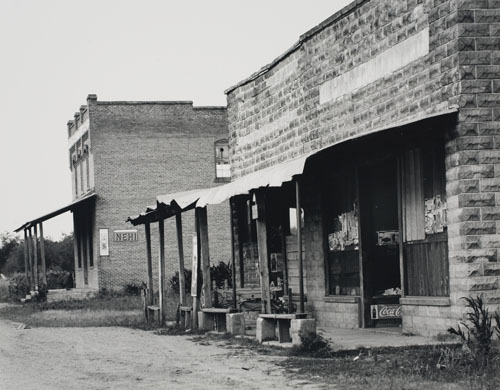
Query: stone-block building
[365, 167]
[390, 111]
[123, 153]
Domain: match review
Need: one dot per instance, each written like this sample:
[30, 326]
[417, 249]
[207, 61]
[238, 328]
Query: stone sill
[425, 301]
[341, 299]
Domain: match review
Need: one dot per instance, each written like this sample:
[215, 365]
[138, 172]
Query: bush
[57, 279]
[218, 273]
[19, 287]
[477, 333]
[133, 289]
[312, 344]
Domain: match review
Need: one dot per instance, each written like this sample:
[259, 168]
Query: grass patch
[432, 367]
[123, 311]
[4, 290]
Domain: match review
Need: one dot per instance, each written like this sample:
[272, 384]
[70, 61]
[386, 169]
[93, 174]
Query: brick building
[386, 119]
[121, 154]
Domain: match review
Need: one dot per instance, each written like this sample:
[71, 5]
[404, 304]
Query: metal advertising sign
[125, 235]
[380, 312]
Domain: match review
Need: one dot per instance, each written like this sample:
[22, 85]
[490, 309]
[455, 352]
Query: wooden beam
[42, 256]
[149, 262]
[233, 253]
[400, 226]
[26, 258]
[76, 252]
[35, 257]
[205, 256]
[180, 249]
[299, 243]
[161, 230]
[30, 251]
[263, 252]
[362, 309]
[194, 270]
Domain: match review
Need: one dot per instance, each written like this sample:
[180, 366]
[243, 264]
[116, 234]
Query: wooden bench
[281, 322]
[153, 310]
[218, 316]
[185, 316]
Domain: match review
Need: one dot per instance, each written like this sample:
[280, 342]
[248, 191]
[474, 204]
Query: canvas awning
[274, 176]
[70, 207]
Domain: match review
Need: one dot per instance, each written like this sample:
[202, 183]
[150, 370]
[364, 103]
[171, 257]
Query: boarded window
[222, 167]
[425, 221]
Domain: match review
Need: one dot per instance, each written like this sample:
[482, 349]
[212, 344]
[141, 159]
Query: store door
[379, 243]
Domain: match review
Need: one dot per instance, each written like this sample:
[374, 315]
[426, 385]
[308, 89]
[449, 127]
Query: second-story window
[222, 167]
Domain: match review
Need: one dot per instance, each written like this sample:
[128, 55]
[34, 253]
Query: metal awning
[70, 207]
[274, 176]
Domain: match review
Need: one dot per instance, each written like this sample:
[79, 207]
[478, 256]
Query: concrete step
[73, 294]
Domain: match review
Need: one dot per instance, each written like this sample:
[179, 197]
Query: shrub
[174, 281]
[477, 332]
[312, 344]
[133, 289]
[19, 287]
[59, 279]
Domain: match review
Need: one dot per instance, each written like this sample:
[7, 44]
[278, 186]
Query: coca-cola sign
[379, 312]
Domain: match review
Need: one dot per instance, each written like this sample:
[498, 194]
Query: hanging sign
[194, 273]
[380, 312]
[103, 242]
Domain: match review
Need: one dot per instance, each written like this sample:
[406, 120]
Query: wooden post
[263, 252]
[205, 256]
[194, 270]
[362, 315]
[149, 263]
[42, 256]
[76, 252]
[299, 244]
[233, 254]
[400, 226]
[35, 257]
[180, 249]
[30, 251]
[26, 251]
[161, 230]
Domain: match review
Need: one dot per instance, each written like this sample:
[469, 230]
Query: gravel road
[120, 358]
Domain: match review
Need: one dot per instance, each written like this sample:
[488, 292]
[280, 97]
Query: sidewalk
[345, 339]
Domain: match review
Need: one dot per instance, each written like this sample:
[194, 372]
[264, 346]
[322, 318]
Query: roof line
[343, 12]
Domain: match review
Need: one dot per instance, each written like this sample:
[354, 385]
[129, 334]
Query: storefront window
[342, 235]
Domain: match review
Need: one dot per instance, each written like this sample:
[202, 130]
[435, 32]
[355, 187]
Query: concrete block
[301, 327]
[265, 330]
[235, 323]
[205, 321]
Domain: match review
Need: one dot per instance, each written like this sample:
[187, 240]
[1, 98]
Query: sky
[56, 52]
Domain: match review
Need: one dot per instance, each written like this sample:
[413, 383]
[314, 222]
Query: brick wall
[142, 150]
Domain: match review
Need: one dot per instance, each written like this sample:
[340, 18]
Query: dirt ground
[121, 358]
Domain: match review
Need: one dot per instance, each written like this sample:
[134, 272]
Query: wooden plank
[400, 228]
[362, 309]
[42, 256]
[149, 263]
[180, 250]
[26, 258]
[83, 249]
[263, 252]
[35, 257]
[419, 196]
[76, 251]
[233, 252]
[30, 252]
[205, 256]
[161, 231]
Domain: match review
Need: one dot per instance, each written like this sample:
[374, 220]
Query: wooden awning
[70, 207]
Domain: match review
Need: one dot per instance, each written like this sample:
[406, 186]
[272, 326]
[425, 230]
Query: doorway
[379, 220]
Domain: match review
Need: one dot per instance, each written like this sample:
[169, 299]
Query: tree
[8, 243]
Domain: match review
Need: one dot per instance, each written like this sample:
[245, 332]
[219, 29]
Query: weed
[477, 333]
[313, 345]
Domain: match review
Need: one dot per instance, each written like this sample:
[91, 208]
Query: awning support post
[263, 253]
[76, 252]
[35, 257]
[180, 249]
[161, 230]
[205, 256]
[299, 243]
[42, 256]
[30, 246]
[233, 264]
[149, 262]
[26, 259]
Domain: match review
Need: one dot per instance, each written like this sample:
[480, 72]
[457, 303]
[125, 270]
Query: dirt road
[120, 358]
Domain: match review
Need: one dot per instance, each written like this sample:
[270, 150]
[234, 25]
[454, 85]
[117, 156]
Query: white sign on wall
[104, 242]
